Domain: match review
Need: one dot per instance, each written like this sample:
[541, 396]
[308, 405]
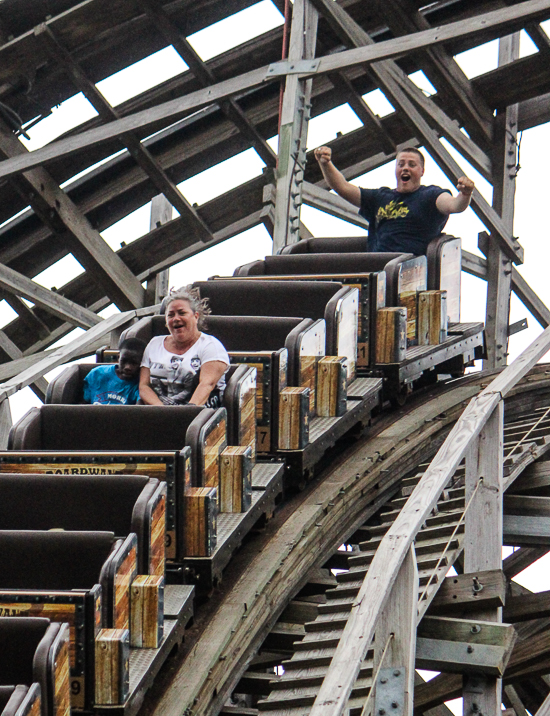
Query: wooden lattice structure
[337, 52]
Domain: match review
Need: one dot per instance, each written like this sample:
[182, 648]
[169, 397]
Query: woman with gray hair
[186, 367]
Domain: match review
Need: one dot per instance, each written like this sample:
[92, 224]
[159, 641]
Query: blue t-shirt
[102, 386]
[402, 222]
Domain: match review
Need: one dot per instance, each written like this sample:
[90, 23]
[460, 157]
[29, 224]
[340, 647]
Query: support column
[293, 130]
[499, 266]
[483, 545]
[398, 619]
[158, 286]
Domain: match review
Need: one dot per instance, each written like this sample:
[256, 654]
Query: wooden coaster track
[289, 610]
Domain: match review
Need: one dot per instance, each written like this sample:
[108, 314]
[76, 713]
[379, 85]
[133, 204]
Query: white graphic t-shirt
[176, 376]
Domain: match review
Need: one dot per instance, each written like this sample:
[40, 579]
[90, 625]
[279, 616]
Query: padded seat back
[105, 427]
[330, 245]
[50, 561]
[67, 387]
[268, 298]
[19, 639]
[70, 502]
[393, 264]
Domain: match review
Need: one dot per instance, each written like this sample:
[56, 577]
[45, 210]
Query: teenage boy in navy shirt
[404, 219]
[116, 384]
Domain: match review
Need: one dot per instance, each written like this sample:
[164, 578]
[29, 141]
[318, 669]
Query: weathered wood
[391, 335]
[293, 418]
[61, 214]
[463, 592]
[499, 21]
[331, 393]
[158, 15]
[401, 609]
[235, 486]
[332, 204]
[293, 126]
[14, 282]
[138, 151]
[158, 286]
[526, 607]
[483, 539]
[40, 386]
[504, 185]
[524, 530]
[200, 521]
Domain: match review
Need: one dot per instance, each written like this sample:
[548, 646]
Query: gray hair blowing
[196, 303]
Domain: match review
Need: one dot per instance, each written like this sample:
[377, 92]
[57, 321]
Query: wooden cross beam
[62, 216]
[157, 14]
[14, 282]
[489, 25]
[194, 222]
[403, 17]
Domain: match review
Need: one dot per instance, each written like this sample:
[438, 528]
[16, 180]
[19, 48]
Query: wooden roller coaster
[359, 545]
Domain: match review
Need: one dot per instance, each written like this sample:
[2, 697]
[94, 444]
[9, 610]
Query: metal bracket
[517, 327]
[389, 697]
[296, 67]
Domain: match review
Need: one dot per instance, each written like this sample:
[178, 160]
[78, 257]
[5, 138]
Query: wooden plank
[526, 607]
[80, 346]
[441, 68]
[40, 386]
[526, 505]
[14, 282]
[526, 530]
[470, 591]
[206, 76]
[487, 24]
[401, 608]
[332, 204]
[158, 285]
[62, 215]
[293, 127]
[194, 222]
[499, 266]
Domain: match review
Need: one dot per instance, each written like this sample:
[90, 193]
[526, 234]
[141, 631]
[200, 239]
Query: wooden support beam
[27, 315]
[332, 204]
[532, 506]
[524, 530]
[373, 124]
[521, 559]
[465, 592]
[5, 423]
[58, 305]
[396, 628]
[499, 265]
[62, 216]
[483, 540]
[158, 286]
[489, 24]
[385, 72]
[527, 607]
[403, 17]
[194, 222]
[464, 646]
[157, 14]
[477, 266]
[444, 125]
[40, 386]
[293, 127]
[535, 477]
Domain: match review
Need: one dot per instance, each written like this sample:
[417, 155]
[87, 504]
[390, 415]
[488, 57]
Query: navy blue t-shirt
[102, 386]
[402, 222]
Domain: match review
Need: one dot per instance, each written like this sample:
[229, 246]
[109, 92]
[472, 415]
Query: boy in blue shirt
[116, 384]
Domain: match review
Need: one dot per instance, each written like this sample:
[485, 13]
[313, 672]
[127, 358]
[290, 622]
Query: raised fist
[323, 155]
[465, 186]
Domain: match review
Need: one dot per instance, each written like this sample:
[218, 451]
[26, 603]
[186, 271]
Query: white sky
[530, 226]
